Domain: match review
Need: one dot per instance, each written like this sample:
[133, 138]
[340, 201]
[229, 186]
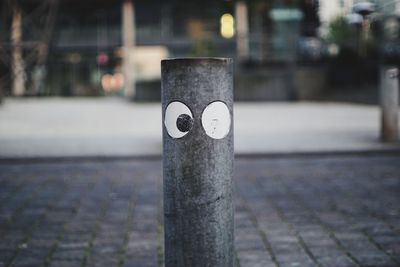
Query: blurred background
[283, 49]
[316, 129]
[83, 77]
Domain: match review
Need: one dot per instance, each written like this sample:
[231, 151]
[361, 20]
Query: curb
[158, 157]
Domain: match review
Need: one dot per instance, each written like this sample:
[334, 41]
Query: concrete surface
[312, 211]
[65, 127]
[197, 169]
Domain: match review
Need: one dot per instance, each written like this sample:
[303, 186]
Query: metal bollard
[389, 99]
[197, 104]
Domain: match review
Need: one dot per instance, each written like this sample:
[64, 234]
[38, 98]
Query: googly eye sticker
[178, 119]
[216, 120]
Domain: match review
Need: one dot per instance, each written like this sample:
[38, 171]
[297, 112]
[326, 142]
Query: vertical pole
[197, 103]
[128, 43]
[18, 69]
[389, 98]
[39, 71]
[242, 29]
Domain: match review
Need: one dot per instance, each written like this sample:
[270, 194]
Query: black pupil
[184, 123]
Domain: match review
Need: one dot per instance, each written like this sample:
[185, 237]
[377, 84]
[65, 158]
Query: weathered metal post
[389, 98]
[197, 104]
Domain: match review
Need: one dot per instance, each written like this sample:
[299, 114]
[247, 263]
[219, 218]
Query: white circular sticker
[216, 120]
[178, 119]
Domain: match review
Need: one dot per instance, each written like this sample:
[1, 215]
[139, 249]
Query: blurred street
[106, 127]
[325, 211]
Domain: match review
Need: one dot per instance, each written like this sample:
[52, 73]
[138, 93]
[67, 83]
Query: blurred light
[391, 28]
[102, 58]
[227, 26]
[118, 81]
[227, 18]
[286, 14]
[364, 8]
[73, 58]
[111, 82]
[106, 82]
[333, 50]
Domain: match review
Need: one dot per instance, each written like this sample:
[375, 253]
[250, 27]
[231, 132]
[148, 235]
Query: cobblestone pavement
[294, 211]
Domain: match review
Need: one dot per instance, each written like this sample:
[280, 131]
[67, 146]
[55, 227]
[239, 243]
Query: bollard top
[196, 60]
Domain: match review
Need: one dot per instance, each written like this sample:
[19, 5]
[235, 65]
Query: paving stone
[6, 255]
[255, 258]
[295, 211]
[69, 254]
[104, 258]
[336, 261]
[140, 261]
[65, 263]
[28, 261]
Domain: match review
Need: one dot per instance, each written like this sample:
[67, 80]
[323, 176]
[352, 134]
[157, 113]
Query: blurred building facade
[76, 47]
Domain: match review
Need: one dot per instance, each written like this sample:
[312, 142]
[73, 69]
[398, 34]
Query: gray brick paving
[323, 211]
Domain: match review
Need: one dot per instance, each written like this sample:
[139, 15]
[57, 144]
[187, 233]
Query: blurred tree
[340, 32]
[202, 44]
